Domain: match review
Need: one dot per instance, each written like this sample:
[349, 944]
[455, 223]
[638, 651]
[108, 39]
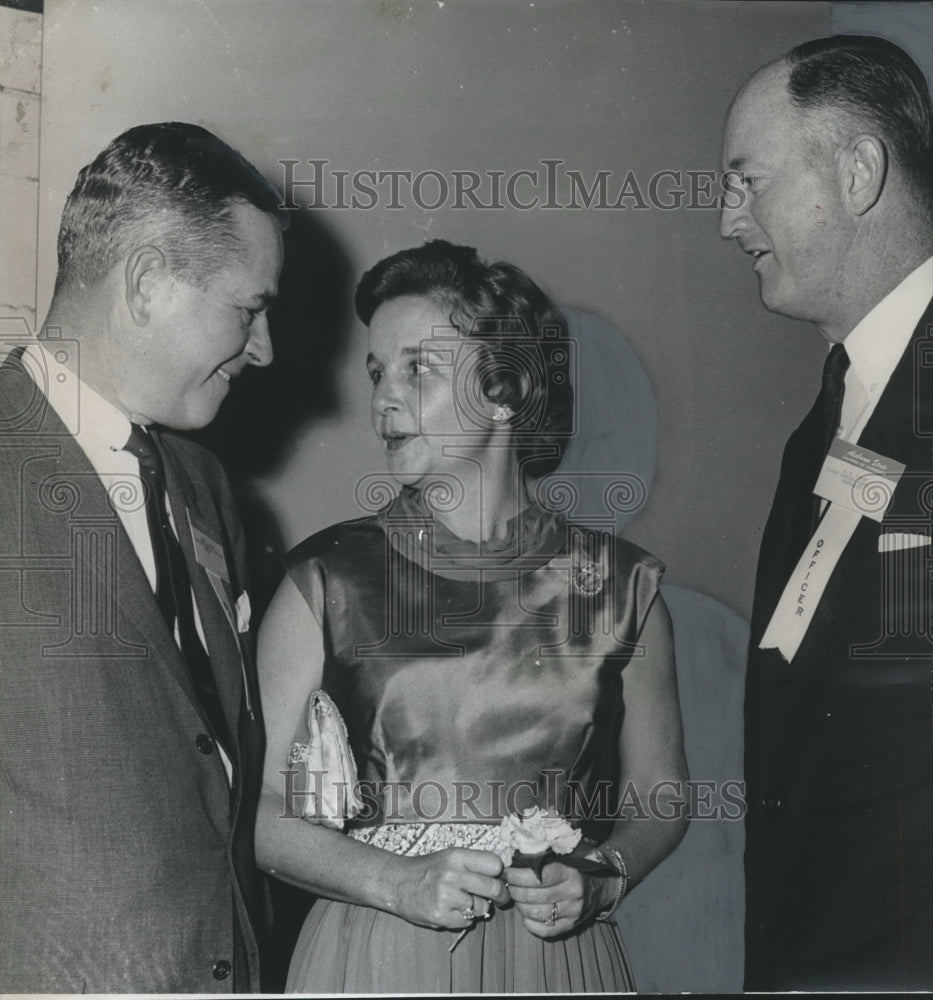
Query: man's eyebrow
[430, 350]
[408, 352]
[261, 299]
[738, 164]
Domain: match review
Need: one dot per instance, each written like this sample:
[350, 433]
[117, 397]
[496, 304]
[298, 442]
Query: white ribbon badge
[858, 483]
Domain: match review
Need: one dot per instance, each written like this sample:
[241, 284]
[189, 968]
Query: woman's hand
[562, 900]
[440, 890]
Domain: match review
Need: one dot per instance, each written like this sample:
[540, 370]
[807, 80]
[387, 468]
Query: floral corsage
[539, 836]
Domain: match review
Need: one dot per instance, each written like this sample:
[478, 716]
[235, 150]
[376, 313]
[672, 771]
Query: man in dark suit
[834, 144]
[130, 733]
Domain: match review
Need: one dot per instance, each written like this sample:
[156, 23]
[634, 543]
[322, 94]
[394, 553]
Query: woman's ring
[468, 913]
[552, 919]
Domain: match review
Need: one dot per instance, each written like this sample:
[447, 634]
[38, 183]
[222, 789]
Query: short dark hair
[872, 84]
[172, 184]
[525, 363]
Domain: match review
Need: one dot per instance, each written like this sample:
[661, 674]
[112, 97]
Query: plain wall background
[20, 75]
[447, 85]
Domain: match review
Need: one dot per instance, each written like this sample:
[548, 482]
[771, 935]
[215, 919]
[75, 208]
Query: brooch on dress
[587, 579]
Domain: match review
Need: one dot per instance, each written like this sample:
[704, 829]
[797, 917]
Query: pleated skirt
[345, 948]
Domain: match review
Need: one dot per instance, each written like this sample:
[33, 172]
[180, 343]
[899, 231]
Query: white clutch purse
[331, 794]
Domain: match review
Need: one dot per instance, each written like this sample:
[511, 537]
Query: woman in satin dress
[486, 657]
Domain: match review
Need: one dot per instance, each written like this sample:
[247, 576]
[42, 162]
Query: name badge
[858, 479]
[209, 554]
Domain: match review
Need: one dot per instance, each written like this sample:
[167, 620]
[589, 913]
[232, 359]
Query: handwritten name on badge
[858, 479]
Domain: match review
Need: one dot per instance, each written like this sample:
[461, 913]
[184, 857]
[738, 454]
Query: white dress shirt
[876, 345]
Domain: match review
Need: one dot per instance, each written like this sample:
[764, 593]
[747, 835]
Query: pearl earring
[502, 413]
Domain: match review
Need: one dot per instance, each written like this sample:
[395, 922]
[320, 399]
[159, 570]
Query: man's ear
[145, 267]
[865, 166]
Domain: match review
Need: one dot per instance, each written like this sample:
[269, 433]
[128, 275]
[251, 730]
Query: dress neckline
[532, 537]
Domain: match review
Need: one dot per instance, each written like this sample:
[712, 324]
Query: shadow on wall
[256, 429]
[684, 925]
[269, 410]
[608, 466]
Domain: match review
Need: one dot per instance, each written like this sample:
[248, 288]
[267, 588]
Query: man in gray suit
[130, 732]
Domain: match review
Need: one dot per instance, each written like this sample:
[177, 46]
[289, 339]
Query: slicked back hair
[173, 185]
[860, 83]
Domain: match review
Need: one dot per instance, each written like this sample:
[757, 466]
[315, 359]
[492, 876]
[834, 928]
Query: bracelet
[614, 857]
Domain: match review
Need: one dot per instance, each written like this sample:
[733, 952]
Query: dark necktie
[795, 512]
[173, 586]
[829, 407]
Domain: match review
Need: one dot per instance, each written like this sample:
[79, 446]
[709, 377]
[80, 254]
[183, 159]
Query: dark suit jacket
[126, 861]
[839, 743]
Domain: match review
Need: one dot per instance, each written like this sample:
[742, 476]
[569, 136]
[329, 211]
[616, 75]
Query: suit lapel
[66, 469]
[900, 426]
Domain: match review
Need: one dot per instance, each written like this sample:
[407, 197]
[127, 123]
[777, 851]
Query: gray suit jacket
[126, 860]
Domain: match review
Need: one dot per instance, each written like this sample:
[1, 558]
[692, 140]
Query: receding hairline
[819, 127]
[755, 84]
[823, 112]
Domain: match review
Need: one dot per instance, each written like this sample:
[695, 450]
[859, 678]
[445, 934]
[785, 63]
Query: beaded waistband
[416, 839]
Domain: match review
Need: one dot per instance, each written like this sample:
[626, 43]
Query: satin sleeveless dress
[474, 681]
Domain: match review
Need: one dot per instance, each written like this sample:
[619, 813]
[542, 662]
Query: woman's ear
[515, 386]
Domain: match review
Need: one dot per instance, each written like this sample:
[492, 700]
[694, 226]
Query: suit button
[221, 969]
[204, 743]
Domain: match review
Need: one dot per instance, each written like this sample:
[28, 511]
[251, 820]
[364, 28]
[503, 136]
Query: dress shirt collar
[94, 422]
[876, 344]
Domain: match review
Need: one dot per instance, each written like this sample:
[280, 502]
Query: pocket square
[895, 541]
[242, 612]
